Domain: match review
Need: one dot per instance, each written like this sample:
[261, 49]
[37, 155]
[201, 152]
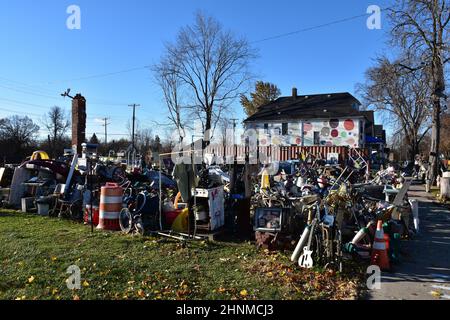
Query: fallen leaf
[436, 293]
[141, 293]
[31, 279]
[85, 283]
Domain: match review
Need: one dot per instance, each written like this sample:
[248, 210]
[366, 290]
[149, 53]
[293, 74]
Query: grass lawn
[35, 253]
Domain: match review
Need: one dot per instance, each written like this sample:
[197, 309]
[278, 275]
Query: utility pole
[234, 175]
[234, 138]
[134, 105]
[105, 124]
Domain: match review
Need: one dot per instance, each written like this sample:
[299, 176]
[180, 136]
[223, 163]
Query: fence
[277, 153]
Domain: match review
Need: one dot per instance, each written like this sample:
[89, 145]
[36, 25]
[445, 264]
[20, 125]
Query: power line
[25, 103]
[29, 92]
[287, 34]
[21, 112]
[101, 75]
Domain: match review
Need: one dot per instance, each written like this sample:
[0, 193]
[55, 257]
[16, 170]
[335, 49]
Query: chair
[66, 205]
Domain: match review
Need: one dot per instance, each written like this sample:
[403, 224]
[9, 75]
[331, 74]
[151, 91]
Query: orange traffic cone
[379, 251]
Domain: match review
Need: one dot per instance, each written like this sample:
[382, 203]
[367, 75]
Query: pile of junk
[175, 200]
[325, 213]
[328, 214]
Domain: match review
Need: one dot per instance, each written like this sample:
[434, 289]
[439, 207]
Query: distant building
[332, 119]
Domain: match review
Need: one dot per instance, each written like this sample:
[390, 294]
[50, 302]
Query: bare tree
[421, 27]
[144, 140]
[213, 65]
[18, 136]
[57, 124]
[403, 97]
[167, 78]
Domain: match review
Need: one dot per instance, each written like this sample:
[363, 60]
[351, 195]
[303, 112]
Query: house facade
[332, 119]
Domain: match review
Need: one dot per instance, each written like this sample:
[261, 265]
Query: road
[424, 270]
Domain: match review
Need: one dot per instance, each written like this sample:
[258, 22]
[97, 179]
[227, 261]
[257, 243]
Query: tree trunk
[435, 134]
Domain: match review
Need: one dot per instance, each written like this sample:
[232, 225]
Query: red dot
[349, 125]
[335, 133]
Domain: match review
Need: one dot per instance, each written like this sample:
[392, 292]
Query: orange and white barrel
[110, 207]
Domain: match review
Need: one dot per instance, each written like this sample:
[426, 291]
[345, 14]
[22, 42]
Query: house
[331, 119]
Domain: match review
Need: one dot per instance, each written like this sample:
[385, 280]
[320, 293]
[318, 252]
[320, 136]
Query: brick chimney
[78, 122]
[294, 93]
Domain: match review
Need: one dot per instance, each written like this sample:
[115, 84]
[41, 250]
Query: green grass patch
[36, 252]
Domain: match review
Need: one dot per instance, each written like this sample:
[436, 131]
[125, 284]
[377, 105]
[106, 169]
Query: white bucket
[43, 209]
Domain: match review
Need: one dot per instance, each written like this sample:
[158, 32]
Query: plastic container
[171, 216]
[110, 207]
[95, 213]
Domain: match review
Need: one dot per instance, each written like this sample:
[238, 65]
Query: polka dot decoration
[325, 132]
[349, 125]
[334, 123]
[335, 133]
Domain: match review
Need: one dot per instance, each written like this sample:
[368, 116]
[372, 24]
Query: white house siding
[335, 132]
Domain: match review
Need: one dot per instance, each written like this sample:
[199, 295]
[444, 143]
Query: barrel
[110, 207]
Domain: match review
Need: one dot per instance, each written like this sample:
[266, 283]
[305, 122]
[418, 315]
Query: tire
[126, 221]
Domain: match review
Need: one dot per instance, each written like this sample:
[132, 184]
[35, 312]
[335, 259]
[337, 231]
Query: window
[316, 138]
[284, 129]
[266, 128]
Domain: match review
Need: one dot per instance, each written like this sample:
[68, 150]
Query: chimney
[78, 122]
[294, 93]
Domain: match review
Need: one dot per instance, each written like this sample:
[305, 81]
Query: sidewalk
[424, 271]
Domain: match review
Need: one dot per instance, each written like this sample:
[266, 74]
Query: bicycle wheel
[126, 221]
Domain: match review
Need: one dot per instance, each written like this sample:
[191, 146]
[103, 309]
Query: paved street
[424, 272]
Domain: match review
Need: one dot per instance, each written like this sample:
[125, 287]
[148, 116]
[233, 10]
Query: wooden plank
[398, 201]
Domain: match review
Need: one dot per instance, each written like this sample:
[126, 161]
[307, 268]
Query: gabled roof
[317, 106]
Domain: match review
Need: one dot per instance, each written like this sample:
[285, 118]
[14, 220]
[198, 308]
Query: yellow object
[265, 179]
[181, 223]
[40, 155]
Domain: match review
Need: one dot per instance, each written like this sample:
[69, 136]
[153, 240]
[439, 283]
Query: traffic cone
[379, 252]
[387, 241]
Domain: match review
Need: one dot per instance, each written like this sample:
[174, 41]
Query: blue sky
[40, 57]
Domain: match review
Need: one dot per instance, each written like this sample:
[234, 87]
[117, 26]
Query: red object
[334, 133]
[171, 216]
[386, 240]
[87, 215]
[379, 252]
[349, 125]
